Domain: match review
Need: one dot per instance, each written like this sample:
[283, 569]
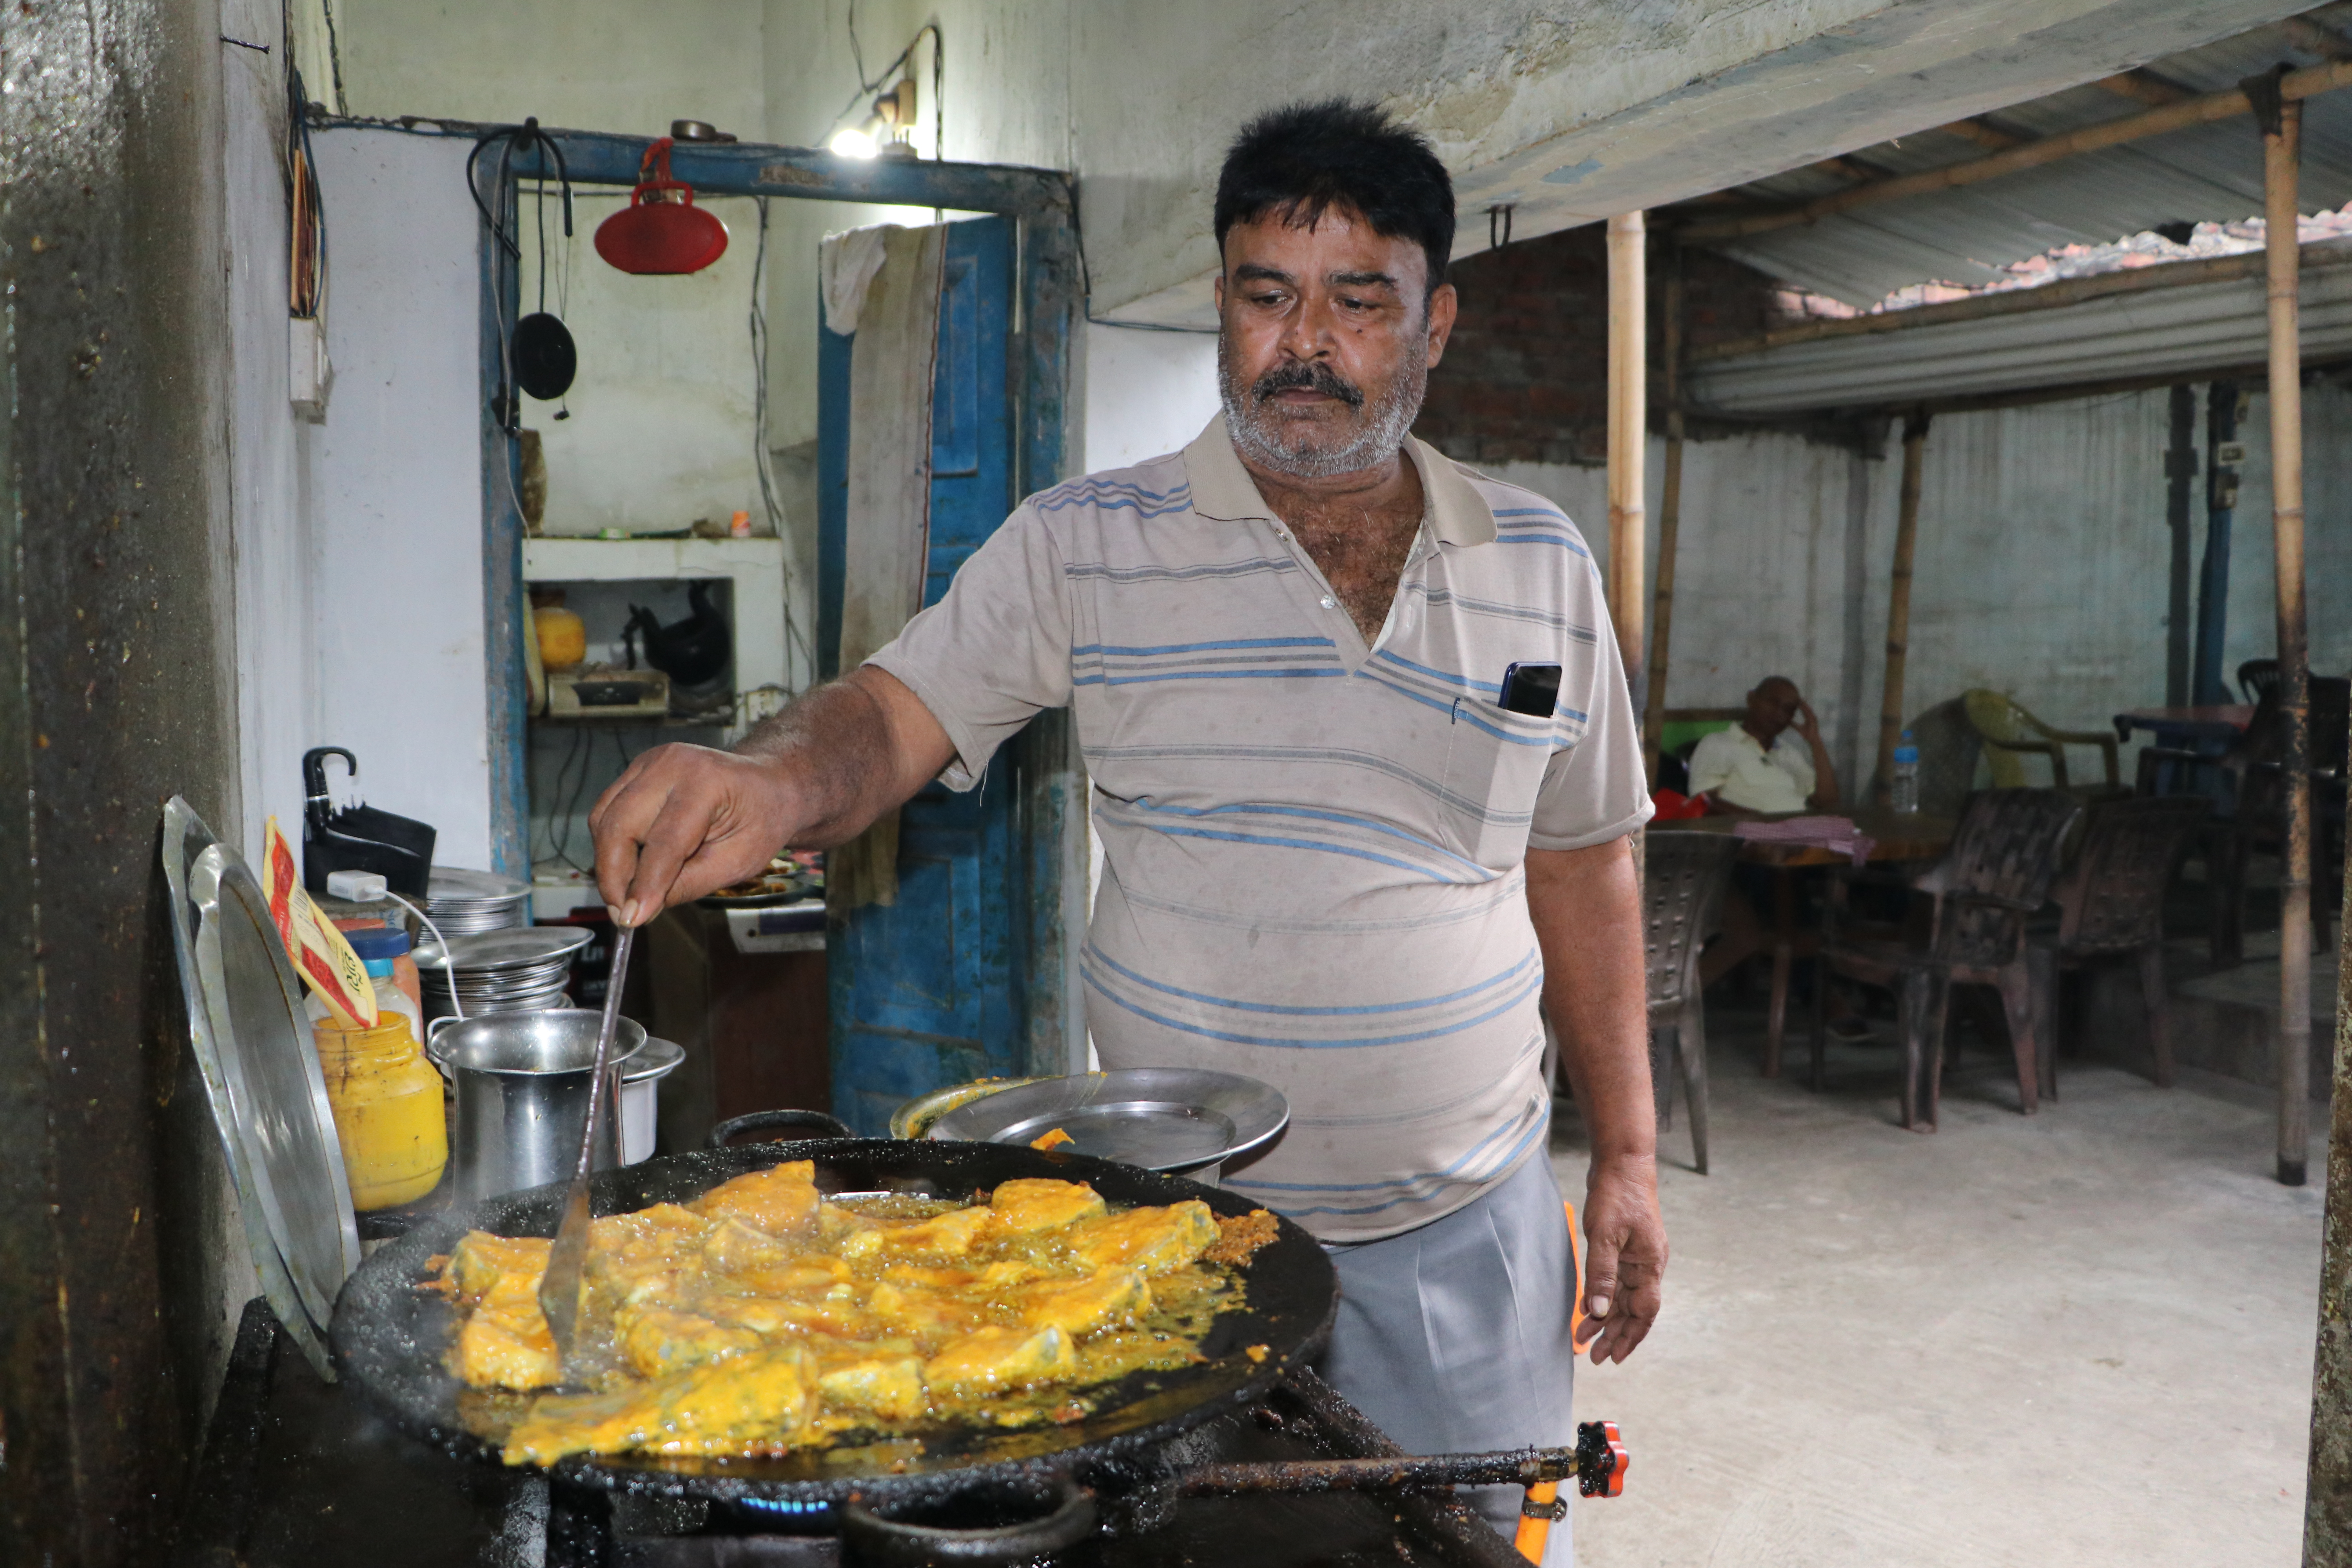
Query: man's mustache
[1312, 375]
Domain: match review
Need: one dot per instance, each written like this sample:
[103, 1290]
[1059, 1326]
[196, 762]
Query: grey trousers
[1453, 1338]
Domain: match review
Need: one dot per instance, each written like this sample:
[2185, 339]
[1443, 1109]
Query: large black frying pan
[389, 1336]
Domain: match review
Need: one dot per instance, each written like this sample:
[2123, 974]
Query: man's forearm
[1587, 909]
[843, 752]
[1825, 791]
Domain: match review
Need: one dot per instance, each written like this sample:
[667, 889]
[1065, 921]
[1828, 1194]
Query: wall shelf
[754, 566]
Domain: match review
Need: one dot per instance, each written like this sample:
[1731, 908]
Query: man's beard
[1308, 448]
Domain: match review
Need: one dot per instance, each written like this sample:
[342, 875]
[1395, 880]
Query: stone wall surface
[112, 698]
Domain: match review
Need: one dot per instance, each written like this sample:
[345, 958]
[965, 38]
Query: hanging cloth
[896, 316]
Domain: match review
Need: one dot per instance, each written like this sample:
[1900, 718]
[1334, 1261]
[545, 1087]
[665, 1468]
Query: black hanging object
[690, 652]
[359, 837]
[544, 358]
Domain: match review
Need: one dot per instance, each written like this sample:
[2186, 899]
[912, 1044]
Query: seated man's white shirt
[1732, 766]
[1312, 845]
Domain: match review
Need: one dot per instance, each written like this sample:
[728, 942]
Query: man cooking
[1339, 856]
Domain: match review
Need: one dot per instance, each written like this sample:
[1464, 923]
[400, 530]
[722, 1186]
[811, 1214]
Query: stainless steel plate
[1162, 1119]
[511, 949]
[252, 1043]
[457, 884]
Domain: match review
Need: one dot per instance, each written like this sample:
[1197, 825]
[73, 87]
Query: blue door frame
[1032, 839]
[930, 989]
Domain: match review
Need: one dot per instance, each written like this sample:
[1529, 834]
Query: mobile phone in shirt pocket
[1495, 764]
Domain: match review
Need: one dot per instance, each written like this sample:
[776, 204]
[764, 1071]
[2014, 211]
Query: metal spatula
[559, 1287]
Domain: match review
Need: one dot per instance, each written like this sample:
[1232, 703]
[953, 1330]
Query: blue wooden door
[930, 990]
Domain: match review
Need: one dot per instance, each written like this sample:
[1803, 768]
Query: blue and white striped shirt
[1312, 848]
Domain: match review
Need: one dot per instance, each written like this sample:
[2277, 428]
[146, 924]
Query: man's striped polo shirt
[1312, 848]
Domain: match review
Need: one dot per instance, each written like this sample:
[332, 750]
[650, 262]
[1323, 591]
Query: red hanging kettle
[661, 230]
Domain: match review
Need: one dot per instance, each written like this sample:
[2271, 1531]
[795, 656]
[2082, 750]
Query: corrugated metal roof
[2189, 330]
[1970, 235]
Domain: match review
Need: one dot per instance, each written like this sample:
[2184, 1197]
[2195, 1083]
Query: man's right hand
[684, 821]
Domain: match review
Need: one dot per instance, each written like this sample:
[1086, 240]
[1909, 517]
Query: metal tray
[1162, 1119]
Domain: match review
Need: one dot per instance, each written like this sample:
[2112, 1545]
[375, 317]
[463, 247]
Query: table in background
[1895, 836]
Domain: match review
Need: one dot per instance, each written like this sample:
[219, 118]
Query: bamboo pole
[2279, 217]
[1628, 411]
[2200, 111]
[1669, 512]
[1898, 603]
[2020, 301]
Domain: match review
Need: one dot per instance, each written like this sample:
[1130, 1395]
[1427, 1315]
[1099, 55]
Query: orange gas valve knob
[1601, 1459]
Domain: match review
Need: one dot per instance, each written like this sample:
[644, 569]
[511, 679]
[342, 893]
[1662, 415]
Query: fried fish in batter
[760, 1318]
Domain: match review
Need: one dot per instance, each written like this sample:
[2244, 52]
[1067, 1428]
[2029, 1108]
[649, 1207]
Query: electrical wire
[449, 958]
[335, 56]
[867, 86]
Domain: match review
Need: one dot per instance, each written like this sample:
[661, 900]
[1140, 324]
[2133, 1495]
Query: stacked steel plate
[521, 971]
[462, 902]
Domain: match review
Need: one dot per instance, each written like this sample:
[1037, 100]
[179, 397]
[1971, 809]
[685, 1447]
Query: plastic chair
[2010, 734]
[2258, 678]
[1996, 875]
[2111, 906]
[1683, 877]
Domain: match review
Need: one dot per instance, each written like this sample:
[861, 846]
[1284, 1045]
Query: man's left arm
[1587, 909]
[1824, 796]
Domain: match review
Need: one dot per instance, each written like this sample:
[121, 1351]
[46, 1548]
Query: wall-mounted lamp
[885, 130]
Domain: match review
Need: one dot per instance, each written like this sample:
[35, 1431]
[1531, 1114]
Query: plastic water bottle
[1903, 788]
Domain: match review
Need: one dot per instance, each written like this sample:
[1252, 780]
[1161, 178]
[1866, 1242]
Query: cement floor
[2080, 1338]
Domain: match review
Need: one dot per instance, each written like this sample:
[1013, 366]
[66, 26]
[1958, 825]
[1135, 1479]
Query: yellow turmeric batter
[760, 1318]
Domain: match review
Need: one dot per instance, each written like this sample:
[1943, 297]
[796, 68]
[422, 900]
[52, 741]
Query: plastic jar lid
[382, 944]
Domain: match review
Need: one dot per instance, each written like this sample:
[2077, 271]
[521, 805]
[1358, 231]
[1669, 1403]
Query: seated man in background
[1770, 762]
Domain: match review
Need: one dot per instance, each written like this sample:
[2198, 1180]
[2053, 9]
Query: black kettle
[692, 652]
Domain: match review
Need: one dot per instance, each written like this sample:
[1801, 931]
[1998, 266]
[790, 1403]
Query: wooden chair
[1683, 879]
[1996, 875]
[2111, 906]
[2010, 734]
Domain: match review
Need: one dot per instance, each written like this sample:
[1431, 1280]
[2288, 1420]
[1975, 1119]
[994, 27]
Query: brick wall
[1525, 378]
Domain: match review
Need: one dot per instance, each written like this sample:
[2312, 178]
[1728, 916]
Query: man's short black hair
[1302, 161]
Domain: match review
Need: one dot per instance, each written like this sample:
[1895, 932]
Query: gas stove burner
[1050, 1518]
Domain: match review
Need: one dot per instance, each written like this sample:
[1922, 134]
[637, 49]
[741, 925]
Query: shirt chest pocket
[1495, 764]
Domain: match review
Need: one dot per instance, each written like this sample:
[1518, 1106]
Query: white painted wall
[395, 487]
[661, 415]
[277, 688]
[1145, 393]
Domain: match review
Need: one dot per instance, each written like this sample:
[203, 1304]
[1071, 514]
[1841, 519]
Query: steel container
[522, 1082]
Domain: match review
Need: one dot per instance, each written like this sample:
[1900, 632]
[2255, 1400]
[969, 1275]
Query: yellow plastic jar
[387, 1100]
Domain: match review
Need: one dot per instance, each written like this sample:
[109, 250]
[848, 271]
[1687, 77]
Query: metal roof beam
[2200, 111]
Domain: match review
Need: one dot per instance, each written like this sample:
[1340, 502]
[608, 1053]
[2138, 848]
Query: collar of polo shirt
[1222, 489]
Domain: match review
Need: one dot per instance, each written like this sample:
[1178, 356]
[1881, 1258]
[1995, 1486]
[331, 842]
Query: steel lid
[457, 886]
[513, 948]
[659, 1058]
[252, 1043]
